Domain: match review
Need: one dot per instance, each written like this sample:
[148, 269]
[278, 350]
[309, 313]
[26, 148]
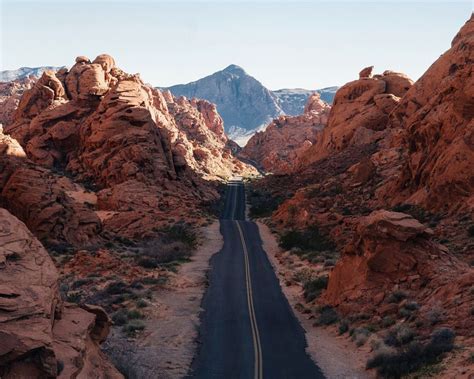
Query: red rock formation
[392, 251]
[116, 134]
[285, 140]
[437, 116]
[43, 200]
[41, 335]
[359, 114]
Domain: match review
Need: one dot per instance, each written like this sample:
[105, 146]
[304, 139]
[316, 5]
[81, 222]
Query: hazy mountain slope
[244, 103]
[24, 72]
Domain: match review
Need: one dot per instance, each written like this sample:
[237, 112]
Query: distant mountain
[244, 103]
[24, 72]
[292, 101]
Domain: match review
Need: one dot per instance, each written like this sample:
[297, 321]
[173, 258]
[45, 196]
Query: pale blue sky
[283, 44]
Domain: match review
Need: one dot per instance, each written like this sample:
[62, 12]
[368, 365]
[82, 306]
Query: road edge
[331, 354]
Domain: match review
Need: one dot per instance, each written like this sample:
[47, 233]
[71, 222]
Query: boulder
[41, 336]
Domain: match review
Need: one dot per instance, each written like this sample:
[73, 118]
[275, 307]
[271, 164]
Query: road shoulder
[333, 354]
[169, 343]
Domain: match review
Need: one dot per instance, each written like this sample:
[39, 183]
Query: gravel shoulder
[167, 346]
[335, 355]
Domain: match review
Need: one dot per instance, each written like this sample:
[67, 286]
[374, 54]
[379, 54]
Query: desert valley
[334, 240]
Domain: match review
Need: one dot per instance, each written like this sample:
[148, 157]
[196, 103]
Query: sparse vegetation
[262, 203]
[343, 327]
[309, 239]
[327, 315]
[313, 288]
[133, 326]
[396, 297]
[412, 356]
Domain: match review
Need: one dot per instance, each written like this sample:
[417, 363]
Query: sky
[284, 44]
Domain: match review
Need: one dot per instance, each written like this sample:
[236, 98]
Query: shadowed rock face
[37, 330]
[286, 139]
[393, 250]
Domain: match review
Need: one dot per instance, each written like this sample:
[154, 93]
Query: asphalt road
[248, 329]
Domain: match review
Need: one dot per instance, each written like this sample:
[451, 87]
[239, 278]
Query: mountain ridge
[244, 103]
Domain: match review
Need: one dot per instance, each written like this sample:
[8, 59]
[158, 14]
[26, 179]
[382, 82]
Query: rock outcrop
[360, 113]
[390, 252]
[43, 200]
[42, 336]
[437, 115]
[279, 148]
[117, 136]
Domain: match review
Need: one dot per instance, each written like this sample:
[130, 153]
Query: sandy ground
[335, 355]
[167, 346]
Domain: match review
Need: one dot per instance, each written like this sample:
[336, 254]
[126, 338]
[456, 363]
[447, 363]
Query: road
[248, 329]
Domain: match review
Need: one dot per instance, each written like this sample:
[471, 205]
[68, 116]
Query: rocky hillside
[377, 221]
[10, 94]
[279, 148]
[96, 167]
[243, 102]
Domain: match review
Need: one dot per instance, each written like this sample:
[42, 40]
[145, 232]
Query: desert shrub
[412, 356]
[262, 203]
[399, 336]
[330, 263]
[181, 232]
[387, 321]
[435, 315]
[304, 276]
[309, 239]
[117, 287]
[134, 314]
[120, 317]
[327, 315]
[133, 326]
[313, 288]
[80, 282]
[411, 305]
[74, 297]
[360, 335]
[141, 303]
[470, 231]
[343, 327]
[396, 296]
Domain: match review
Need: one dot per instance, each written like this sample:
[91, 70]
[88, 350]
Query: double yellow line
[258, 367]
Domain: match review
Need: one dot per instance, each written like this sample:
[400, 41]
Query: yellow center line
[258, 368]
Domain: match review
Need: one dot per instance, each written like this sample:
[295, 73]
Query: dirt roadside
[167, 346]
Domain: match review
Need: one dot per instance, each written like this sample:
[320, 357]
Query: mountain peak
[234, 69]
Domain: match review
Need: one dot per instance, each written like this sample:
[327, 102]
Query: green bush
[134, 314]
[120, 317]
[327, 315]
[396, 296]
[343, 327]
[133, 326]
[412, 356]
[313, 288]
[142, 303]
[262, 204]
[309, 239]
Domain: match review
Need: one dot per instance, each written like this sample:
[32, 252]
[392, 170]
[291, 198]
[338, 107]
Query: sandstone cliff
[279, 148]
